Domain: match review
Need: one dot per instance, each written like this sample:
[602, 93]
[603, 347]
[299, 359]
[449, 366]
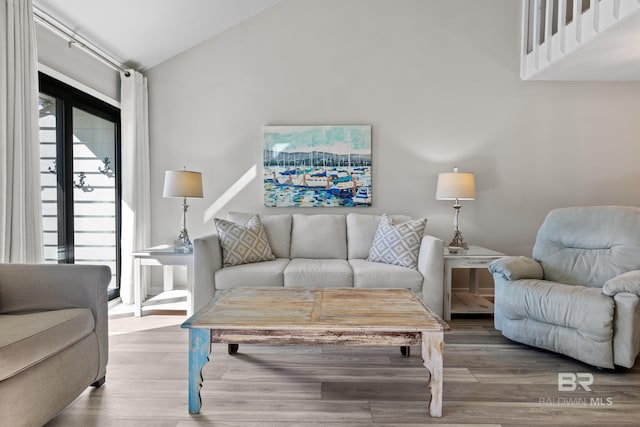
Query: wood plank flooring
[488, 381]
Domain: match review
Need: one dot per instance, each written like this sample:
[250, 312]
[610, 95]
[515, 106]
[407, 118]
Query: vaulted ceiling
[144, 33]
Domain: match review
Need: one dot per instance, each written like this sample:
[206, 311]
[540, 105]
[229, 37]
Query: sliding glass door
[79, 158]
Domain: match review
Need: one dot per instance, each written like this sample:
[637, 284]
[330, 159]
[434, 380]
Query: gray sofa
[580, 293]
[53, 338]
[319, 251]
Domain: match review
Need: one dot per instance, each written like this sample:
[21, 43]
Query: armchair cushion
[588, 245]
[243, 244]
[397, 244]
[517, 267]
[628, 282]
[29, 338]
[577, 307]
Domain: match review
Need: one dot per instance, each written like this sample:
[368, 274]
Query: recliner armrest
[516, 268]
[207, 259]
[628, 283]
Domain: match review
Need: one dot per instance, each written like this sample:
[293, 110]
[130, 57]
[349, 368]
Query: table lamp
[183, 184]
[456, 186]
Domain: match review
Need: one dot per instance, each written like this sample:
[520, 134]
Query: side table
[166, 256]
[473, 258]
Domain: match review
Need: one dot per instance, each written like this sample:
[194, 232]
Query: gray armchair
[53, 338]
[580, 293]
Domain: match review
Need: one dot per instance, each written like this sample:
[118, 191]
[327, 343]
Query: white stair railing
[552, 29]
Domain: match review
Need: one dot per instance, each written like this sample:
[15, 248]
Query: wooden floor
[488, 380]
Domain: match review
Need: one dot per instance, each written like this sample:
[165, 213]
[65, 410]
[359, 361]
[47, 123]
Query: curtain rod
[72, 38]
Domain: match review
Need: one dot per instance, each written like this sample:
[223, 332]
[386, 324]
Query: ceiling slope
[144, 33]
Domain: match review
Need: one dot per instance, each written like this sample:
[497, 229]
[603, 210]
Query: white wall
[438, 81]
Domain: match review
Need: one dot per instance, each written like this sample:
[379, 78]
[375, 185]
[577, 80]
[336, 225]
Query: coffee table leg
[432, 355]
[199, 348]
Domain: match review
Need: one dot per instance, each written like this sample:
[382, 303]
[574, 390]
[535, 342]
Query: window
[79, 158]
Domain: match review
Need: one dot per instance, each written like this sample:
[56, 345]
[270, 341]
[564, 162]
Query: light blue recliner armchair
[580, 294]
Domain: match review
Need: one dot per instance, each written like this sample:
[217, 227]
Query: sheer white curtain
[20, 199]
[135, 177]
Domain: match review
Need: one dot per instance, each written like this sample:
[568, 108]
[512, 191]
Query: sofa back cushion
[361, 228]
[319, 236]
[277, 227]
[588, 245]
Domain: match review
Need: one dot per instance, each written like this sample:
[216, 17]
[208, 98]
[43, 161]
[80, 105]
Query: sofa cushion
[26, 339]
[243, 244]
[361, 228]
[318, 273]
[397, 244]
[319, 237]
[255, 275]
[277, 227]
[378, 275]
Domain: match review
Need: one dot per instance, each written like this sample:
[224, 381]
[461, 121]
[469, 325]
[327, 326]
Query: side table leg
[167, 282]
[199, 348]
[448, 277]
[137, 287]
[190, 300]
[473, 281]
[432, 357]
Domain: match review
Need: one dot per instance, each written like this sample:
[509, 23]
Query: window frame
[69, 98]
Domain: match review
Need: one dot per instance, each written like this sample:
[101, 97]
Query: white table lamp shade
[182, 184]
[456, 185]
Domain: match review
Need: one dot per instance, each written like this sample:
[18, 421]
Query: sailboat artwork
[317, 166]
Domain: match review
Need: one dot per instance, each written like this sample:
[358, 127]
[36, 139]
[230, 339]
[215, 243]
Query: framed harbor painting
[317, 166]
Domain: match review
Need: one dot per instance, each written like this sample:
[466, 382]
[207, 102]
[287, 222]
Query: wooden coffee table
[345, 316]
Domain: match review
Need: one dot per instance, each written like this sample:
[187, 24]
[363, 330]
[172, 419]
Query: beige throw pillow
[243, 244]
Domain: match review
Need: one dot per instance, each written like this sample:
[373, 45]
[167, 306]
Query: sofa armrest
[516, 268]
[40, 287]
[207, 259]
[431, 266]
[627, 283]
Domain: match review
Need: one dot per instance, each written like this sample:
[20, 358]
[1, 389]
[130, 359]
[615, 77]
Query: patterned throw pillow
[398, 244]
[243, 244]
